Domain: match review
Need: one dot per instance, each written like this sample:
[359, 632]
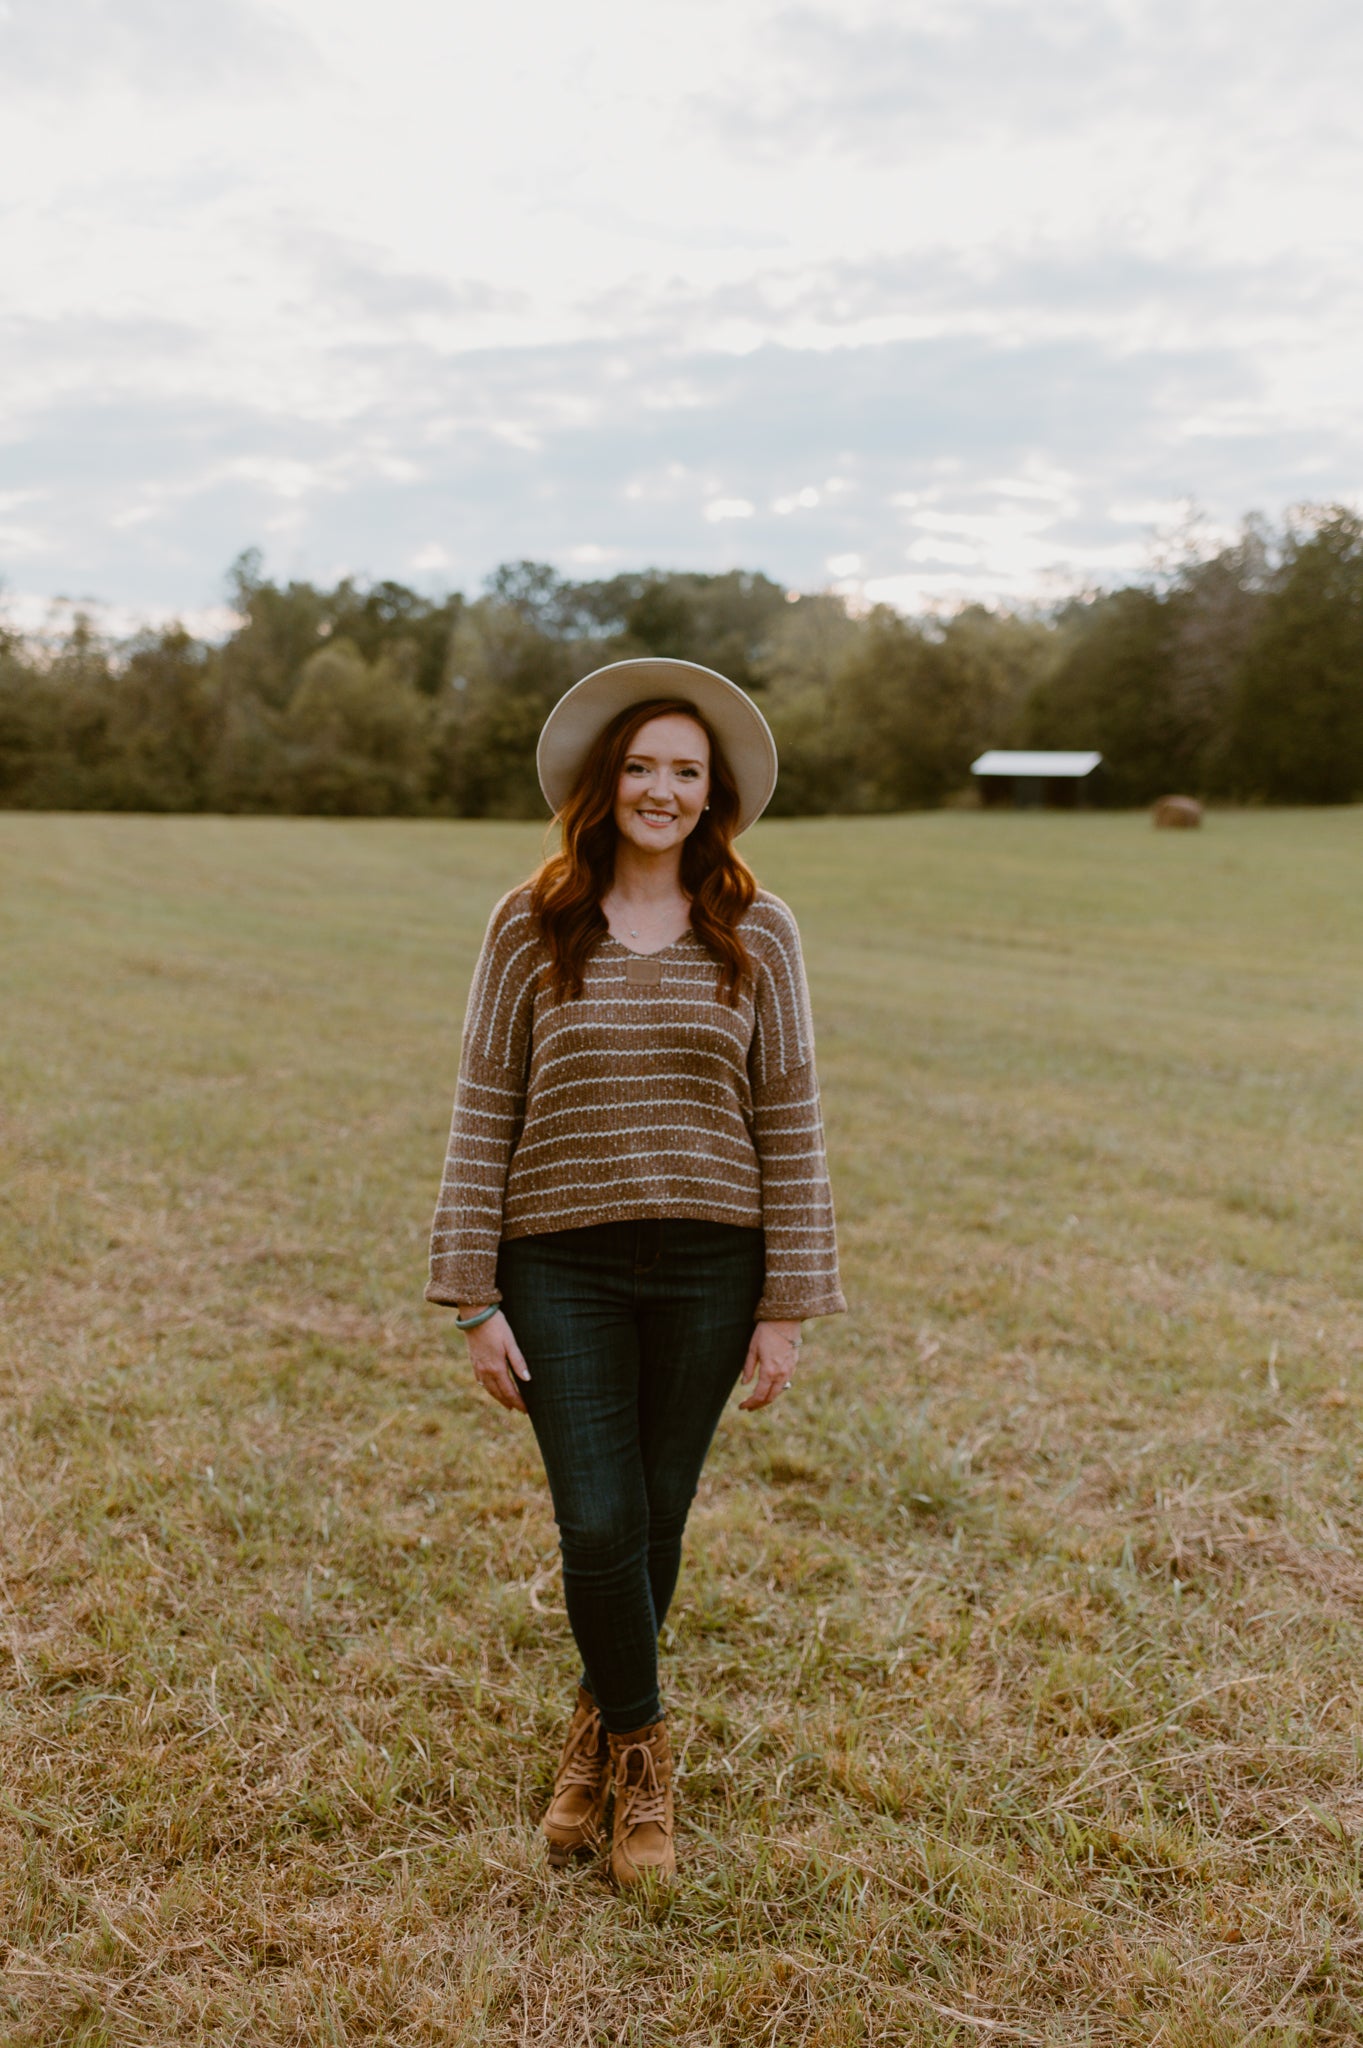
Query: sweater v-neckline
[670, 947]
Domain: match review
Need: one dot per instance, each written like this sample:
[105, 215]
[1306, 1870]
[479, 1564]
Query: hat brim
[585, 710]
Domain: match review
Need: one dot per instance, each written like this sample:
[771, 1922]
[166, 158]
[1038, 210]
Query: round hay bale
[1177, 813]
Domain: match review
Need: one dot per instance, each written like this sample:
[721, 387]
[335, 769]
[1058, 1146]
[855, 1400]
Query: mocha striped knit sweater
[647, 1096]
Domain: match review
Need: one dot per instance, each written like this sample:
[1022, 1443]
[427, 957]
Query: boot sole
[563, 1854]
[643, 1874]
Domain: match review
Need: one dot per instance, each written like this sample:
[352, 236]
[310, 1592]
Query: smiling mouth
[657, 817]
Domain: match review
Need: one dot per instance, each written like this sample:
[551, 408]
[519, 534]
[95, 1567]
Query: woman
[635, 1207]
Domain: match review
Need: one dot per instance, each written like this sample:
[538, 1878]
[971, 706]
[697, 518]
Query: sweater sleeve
[489, 1109]
[797, 1201]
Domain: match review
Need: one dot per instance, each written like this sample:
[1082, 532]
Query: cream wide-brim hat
[586, 709]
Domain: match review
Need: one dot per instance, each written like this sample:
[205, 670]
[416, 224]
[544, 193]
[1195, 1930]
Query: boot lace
[645, 1799]
[581, 1764]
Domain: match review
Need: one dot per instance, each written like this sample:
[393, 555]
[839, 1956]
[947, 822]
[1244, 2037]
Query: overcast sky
[923, 298]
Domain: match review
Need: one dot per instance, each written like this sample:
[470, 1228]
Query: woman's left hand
[771, 1361]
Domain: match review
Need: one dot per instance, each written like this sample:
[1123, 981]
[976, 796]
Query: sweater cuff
[450, 1293]
[777, 1308]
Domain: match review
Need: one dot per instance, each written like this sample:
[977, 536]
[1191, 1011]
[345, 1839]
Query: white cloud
[587, 555]
[431, 560]
[1038, 267]
[145, 45]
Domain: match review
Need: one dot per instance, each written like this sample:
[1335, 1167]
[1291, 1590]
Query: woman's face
[664, 784]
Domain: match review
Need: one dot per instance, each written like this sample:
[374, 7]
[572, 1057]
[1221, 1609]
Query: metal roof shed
[1060, 781]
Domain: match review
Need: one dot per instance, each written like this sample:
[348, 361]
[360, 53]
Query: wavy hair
[566, 891]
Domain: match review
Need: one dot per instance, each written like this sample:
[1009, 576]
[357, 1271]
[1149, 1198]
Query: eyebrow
[678, 760]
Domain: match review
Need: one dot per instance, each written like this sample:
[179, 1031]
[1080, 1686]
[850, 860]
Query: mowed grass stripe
[1015, 1667]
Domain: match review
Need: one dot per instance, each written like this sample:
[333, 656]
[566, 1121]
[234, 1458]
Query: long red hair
[566, 891]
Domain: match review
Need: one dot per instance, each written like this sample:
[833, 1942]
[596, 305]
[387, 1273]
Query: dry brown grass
[1016, 1665]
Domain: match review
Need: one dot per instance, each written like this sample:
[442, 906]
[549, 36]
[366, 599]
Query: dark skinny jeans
[634, 1334]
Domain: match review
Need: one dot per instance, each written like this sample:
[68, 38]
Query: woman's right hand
[496, 1359]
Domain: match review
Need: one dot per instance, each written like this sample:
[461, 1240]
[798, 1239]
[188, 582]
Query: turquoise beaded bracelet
[472, 1322]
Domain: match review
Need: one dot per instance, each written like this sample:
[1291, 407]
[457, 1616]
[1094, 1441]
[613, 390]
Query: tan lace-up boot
[582, 1783]
[641, 1767]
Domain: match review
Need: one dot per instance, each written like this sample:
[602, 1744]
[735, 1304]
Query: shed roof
[999, 761]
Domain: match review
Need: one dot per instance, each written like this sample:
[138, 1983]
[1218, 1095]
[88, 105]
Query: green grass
[1016, 1665]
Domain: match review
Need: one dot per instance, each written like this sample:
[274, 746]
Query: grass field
[1016, 1666]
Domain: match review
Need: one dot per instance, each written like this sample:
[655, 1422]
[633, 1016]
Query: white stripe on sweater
[618, 1131]
[638, 1180]
[596, 1081]
[743, 1209]
[615, 1110]
[494, 1006]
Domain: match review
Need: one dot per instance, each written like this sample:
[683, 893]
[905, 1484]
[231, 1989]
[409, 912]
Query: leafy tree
[356, 735]
[1297, 721]
[280, 628]
[160, 720]
[388, 619]
[999, 659]
[506, 674]
[534, 590]
[55, 724]
[1112, 691]
[902, 717]
[30, 735]
[800, 665]
[1214, 609]
[720, 621]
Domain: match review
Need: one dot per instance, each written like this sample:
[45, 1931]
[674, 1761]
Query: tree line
[1237, 674]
